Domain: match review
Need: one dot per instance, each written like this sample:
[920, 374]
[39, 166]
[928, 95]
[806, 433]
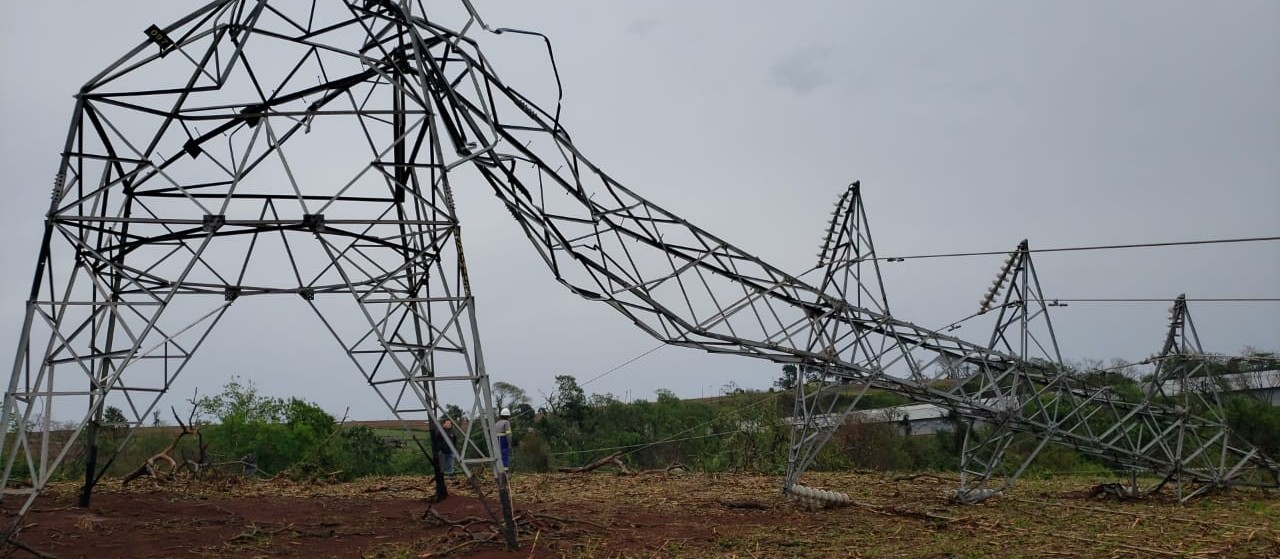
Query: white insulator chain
[818, 497]
[984, 304]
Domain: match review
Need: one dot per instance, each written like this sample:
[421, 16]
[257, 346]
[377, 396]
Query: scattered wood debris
[153, 466]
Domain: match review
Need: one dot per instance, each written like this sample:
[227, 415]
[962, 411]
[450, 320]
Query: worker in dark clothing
[444, 445]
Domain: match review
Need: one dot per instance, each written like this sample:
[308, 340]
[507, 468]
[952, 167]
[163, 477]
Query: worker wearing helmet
[503, 427]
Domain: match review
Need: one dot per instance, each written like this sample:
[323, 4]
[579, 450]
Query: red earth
[385, 517]
[652, 514]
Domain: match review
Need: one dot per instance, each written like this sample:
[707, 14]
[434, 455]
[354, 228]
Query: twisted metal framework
[1021, 328]
[426, 102]
[1176, 429]
[687, 287]
[252, 149]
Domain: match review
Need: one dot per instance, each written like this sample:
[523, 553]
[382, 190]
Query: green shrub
[1256, 421]
[409, 461]
[362, 453]
[532, 454]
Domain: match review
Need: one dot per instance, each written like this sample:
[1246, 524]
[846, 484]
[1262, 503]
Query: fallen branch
[331, 477]
[465, 521]
[910, 477]
[610, 459]
[152, 464]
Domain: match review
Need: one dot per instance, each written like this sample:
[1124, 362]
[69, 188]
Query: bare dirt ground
[602, 514]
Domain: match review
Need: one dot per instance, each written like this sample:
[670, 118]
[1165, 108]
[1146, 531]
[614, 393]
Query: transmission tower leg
[981, 459]
[484, 399]
[821, 407]
[73, 343]
[91, 461]
[508, 519]
[439, 321]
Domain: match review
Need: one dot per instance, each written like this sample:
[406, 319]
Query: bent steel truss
[167, 191]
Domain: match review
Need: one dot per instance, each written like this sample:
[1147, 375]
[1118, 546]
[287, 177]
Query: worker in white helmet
[503, 427]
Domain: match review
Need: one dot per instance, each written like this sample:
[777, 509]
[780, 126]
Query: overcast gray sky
[971, 124]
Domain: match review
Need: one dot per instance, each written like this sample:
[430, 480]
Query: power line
[623, 364]
[1082, 248]
[639, 446]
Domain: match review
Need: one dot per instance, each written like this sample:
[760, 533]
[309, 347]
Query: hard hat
[506, 412]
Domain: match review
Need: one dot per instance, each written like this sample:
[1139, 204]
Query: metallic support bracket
[214, 222]
[313, 222]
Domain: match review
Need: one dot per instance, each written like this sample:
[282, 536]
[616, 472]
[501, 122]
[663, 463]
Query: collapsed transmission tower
[251, 149]
[688, 287]
[156, 175]
[1177, 429]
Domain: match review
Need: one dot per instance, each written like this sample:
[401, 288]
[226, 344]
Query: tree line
[744, 430]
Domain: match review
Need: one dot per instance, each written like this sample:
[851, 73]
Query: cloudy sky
[972, 125]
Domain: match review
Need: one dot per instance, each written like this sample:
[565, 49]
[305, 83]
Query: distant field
[388, 425]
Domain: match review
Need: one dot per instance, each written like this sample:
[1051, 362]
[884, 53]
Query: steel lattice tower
[252, 149]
